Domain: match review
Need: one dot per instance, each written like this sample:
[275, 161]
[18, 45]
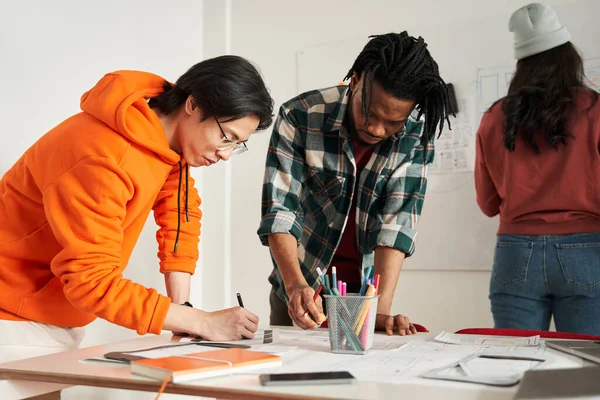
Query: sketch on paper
[455, 148]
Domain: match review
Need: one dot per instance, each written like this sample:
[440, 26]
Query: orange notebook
[204, 365]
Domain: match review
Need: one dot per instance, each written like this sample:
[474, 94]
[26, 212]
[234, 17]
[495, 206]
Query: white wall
[269, 33]
[53, 51]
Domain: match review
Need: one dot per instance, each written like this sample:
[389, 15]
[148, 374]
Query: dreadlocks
[404, 68]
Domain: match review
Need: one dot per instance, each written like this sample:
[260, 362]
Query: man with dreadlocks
[345, 179]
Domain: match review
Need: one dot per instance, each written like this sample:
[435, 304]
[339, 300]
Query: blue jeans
[537, 277]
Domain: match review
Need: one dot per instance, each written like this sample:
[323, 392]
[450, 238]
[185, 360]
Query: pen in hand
[240, 302]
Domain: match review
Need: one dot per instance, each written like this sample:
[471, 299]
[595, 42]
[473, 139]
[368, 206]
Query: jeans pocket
[580, 264]
[511, 261]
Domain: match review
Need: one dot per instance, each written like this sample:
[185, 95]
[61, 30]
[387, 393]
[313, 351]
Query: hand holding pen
[302, 298]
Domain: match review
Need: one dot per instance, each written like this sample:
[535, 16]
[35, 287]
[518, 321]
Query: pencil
[314, 297]
[365, 308]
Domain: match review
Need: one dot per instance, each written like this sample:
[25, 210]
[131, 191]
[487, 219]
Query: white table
[68, 368]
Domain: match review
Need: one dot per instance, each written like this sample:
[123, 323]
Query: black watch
[187, 303]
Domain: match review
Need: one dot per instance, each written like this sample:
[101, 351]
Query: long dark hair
[402, 65]
[541, 95]
[225, 86]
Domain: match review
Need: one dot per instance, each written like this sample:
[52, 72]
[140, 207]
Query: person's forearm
[388, 263]
[182, 319]
[284, 249]
[178, 286]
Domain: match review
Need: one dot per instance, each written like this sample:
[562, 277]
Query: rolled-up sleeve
[403, 199]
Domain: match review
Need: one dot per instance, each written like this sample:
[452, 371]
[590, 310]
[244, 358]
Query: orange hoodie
[73, 206]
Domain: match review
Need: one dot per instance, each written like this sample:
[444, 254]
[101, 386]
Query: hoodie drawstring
[187, 181]
[187, 214]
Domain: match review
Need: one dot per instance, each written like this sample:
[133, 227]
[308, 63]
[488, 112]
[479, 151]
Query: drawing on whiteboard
[455, 148]
[592, 72]
[492, 83]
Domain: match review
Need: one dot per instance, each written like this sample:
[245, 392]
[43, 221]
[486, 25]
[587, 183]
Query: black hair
[403, 67]
[225, 86]
[541, 95]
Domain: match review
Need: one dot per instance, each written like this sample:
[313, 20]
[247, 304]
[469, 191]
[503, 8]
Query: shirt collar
[336, 118]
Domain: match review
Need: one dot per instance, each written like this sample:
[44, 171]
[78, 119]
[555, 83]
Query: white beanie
[536, 29]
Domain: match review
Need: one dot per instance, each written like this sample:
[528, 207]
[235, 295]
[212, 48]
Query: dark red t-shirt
[346, 259]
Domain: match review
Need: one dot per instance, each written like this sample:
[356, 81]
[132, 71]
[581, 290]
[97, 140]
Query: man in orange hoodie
[73, 206]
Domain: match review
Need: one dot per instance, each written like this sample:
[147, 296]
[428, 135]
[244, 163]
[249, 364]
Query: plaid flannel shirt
[310, 178]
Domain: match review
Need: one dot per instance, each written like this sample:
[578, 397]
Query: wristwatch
[187, 303]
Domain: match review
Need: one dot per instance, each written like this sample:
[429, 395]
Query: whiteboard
[474, 56]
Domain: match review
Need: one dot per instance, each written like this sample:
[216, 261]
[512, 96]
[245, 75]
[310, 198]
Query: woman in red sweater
[538, 166]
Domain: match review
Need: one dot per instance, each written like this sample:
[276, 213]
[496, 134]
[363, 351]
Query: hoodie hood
[119, 100]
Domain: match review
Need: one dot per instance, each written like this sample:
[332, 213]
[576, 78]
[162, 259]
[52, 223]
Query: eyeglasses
[227, 144]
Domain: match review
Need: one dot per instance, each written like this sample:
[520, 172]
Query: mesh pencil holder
[351, 321]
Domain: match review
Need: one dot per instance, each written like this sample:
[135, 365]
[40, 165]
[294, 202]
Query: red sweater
[554, 192]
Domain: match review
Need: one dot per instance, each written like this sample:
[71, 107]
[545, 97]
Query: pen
[240, 302]
[328, 284]
[334, 283]
[365, 282]
[334, 277]
[365, 309]
[324, 280]
[509, 357]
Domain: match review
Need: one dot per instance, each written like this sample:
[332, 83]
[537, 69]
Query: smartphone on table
[308, 378]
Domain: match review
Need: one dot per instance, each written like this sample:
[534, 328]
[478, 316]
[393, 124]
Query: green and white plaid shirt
[310, 179]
